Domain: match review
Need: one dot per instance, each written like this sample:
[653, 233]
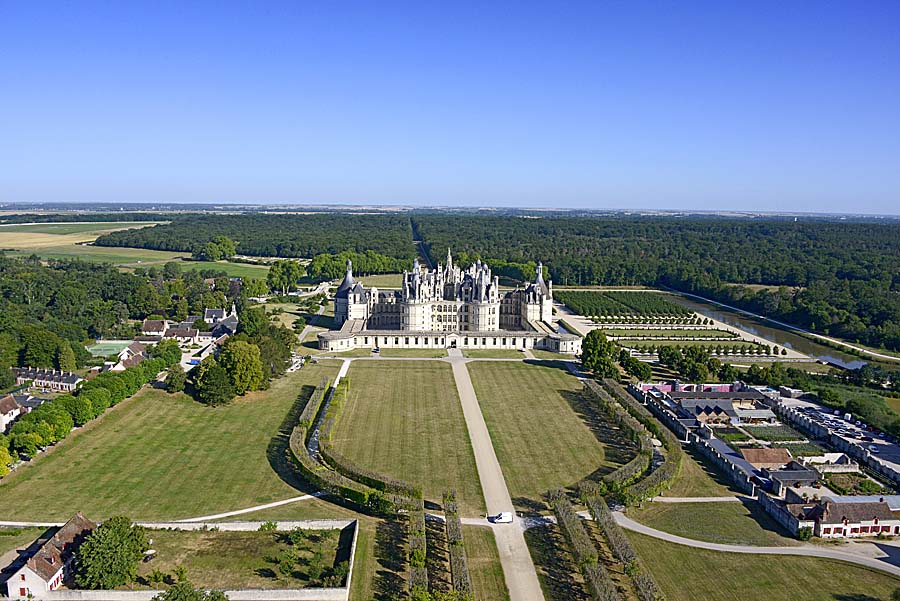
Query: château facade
[446, 307]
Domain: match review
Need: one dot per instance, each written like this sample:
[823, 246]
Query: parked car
[504, 517]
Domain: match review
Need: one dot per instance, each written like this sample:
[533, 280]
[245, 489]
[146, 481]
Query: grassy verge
[404, 419]
[730, 577]
[484, 564]
[731, 523]
[161, 456]
[493, 354]
[698, 478]
[540, 441]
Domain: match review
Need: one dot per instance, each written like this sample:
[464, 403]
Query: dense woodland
[839, 278]
[277, 235]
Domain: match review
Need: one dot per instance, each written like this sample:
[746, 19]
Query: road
[879, 563]
[518, 569]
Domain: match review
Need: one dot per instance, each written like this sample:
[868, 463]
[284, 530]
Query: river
[777, 335]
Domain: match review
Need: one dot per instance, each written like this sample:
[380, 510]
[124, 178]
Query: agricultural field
[592, 303]
[730, 577]
[72, 241]
[152, 454]
[404, 419]
[774, 433]
[238, 560]
[539, 438]
[730, 523]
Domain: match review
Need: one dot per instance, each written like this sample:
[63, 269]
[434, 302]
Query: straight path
[805, 550]
[518, 569]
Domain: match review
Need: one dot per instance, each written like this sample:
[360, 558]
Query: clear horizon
[699, 107]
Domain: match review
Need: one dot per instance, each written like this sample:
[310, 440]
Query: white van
[504, 517]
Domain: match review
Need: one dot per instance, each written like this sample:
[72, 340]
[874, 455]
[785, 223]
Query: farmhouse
[855, 519]
[133, 354]
[447, 307]
[48, 379]
[51, 564]
[9, 411]
[154, 327]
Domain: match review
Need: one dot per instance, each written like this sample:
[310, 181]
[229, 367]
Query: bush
[459, 565]
[418, 573]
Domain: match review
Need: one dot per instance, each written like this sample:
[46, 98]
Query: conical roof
[347, 283]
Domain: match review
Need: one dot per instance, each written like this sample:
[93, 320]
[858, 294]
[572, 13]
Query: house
[133, 354]
[48, 379]
[767, 458]
[212, 316]
[52, 563]
[28, 402]
[154, 327]
[792, 475]
[855, 519]
[9, 411]
[713, 411]
[182, 335]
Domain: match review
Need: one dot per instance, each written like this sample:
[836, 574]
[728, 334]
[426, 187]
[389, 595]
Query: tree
[109, 556]
[227, 246]
[213, 384]
[175, 378]
[5, 460]
[7, 377]
[185, 591]
[253, 287]
[244, 366]
[78, 407]
[65, 356]
[284, 275]
[596, 354]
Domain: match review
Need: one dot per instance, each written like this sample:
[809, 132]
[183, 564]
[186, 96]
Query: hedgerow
[418, 545]
[459, 565]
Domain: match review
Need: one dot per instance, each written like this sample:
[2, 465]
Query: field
[687, 574]
[404, 419]
[539, 439]
[774, 433]
[699, 479]
[484, 564]
[731, 523]
[235, 560]
[69, 241]
[161, 456]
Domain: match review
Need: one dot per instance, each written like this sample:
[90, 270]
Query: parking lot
[883, 447]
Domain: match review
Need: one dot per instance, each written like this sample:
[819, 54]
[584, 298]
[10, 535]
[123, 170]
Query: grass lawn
[698, 478]
[236, 560]
[493, 354]
[404, 419]
[731, 577]
[423, 353]
[539, 439]
[744, 523]
[160, 456]
[132, 257]
[381, 280]
[485, 570]
[13, 539]
[542, 354]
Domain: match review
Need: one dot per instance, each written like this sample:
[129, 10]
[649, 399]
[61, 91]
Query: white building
[52, 563]
[446, 307]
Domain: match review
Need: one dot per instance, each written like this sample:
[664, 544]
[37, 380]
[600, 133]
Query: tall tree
[244, 366]
[108, 558]
[212, 383]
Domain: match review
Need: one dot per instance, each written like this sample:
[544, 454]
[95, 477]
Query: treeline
[277, 235]
[51, 422]
[334, 266]
[77, 217]
[48, 311]
[837, 278]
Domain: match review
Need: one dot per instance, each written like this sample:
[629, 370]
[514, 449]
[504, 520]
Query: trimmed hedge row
[646, 586]
[661, 478]
[459, 565]
[640, 463]
[329, 480]
[599, 583]
[418, 546]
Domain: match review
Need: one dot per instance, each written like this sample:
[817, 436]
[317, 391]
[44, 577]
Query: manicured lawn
[539, 439]
[161, 456]
[698, 478]
[424, 353]
[493, 354]
[732, 577]
[382, 280]
[485, 570]
[236, 560]
[404, 419]
[744, 523]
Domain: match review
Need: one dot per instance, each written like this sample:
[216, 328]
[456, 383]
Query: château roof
[348, 282]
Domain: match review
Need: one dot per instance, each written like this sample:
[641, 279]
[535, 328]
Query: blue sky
[720, 105]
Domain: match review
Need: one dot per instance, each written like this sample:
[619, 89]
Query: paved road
[878, 563]
[518, 569]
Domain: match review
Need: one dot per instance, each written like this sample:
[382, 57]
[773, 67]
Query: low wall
[737, 475]
[778, 512]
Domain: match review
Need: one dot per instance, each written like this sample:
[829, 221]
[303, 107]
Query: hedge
[418, 547]
[459, 564]
[661, 478]
[645, 585]
[599, 583]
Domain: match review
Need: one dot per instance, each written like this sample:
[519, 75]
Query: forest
[277, 235]
[835, 277]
